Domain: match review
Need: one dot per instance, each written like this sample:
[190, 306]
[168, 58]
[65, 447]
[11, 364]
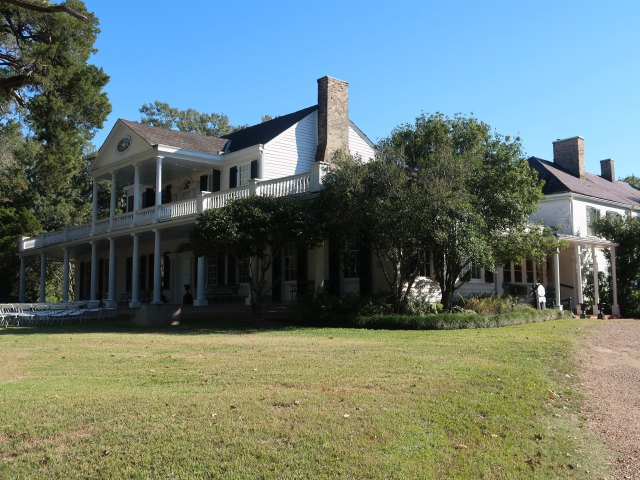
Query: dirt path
[611, 382]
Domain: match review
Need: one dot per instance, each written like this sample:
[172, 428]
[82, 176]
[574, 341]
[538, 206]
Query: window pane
[507, 272]
[517, 273]
[529, 271]
[290, 263]
[350, 256]
[212, 270]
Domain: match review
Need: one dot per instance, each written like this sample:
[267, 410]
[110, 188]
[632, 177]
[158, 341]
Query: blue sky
[539, 70]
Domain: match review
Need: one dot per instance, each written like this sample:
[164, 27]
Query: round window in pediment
[124, 144]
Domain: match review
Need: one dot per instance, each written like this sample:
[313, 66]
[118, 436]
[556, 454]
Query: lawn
[284, 402]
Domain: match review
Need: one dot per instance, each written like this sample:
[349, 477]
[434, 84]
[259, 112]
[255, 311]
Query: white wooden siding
[359, 145]
[293, 151]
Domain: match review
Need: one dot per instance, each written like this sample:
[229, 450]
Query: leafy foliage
[161, 114]
[253, 229]
[633, 180]
[52, 103]
[449, 185]
[625, 231]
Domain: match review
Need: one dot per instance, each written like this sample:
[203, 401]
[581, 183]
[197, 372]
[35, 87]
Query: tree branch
[51, 9]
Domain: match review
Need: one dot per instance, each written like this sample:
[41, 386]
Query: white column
[157, 278]
[135, 271]
[65, 275]
[159, 180]
[21, 293]
[112, 203]
[319, 268]
[94, 271]
[556, 279]
[111, 301]
[615, 308]
[43, 270]
[596, 282]
[201, 299]
[578, 273]
[94, 205]
[136, 187]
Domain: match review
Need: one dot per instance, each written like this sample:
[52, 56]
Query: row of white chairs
[45, 314]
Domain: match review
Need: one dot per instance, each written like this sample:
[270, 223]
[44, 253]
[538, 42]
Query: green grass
[285, 403]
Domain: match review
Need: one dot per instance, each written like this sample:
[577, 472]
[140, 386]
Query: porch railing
[280, 187]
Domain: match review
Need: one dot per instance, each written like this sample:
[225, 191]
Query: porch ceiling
[172, 170]
[586, 240]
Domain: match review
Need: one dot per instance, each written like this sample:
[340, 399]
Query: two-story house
[168, 177]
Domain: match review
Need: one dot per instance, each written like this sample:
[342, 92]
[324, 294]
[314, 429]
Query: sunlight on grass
[293, 403]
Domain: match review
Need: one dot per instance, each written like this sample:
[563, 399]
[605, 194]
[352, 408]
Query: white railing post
[318, 172]
[200, 203]
[253, 186]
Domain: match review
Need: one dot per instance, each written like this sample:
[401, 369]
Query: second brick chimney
[569, 155]
[606, 169]
[333, 117]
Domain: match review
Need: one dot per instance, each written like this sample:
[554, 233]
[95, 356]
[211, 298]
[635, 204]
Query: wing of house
[140, 250]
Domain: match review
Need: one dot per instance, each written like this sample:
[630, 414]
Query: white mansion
[169, 177]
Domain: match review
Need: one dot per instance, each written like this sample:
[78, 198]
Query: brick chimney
[333, 118]
[606, 170]
[569, 155]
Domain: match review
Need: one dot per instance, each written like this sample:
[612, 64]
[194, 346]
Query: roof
[175, 138]
[558, 180]
[266, 131]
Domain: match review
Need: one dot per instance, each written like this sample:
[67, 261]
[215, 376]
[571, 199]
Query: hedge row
[452, 321]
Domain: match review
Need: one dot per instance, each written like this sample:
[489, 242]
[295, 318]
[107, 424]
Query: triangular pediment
[120, 147]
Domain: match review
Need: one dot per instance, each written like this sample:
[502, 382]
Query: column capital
[135, 234]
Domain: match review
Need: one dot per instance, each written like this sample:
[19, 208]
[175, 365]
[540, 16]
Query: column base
[198, 302]
[615, 310]
[134, 304]
[559, 307]
[111, 304]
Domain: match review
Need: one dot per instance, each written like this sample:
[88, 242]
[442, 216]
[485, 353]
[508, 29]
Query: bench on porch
[221, 293]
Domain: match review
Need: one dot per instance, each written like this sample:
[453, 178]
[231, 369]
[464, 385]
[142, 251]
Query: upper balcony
[178, 212]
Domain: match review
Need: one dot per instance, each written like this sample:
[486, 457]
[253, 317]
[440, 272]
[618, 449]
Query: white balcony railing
[281, 187]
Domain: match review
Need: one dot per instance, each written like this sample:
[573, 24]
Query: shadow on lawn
[188, 326]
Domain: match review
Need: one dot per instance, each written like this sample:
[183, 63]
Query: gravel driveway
[611, 381]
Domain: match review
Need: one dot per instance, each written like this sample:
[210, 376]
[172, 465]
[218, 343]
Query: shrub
[494, 305]
[451, 321]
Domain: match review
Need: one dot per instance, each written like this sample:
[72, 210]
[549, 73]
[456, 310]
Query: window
[593, 214]
[476, 272]
[517, 272]
[243, 273]
[290, 263]
[424, 263]
[350, 256]
[530, 271]
[507, 272]
[212, 270]
[244, 174]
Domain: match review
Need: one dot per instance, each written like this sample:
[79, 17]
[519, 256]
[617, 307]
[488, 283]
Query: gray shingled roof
[558, 180]
[266, 131]
[174, 138]
[247, 137]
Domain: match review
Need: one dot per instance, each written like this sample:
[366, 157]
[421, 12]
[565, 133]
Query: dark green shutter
[233, 177]
[231, 270]
[203, 183]
[334, 266]
[220, 265]
[215, 180]
[276, 277]
[129, 270]
[254, 169]
[302, 271]
[364, 268]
